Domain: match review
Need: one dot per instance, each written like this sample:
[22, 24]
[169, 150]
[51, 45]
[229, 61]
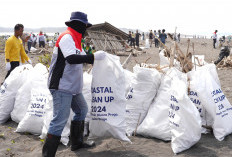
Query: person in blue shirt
[163, 36]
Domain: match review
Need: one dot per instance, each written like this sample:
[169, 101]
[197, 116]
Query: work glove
[8, 66]
[29, 61]
[99, 55]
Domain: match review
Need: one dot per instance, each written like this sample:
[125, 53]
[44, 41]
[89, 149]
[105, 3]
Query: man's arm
[71, 53]
[79, 59]
[23, 54]
[8, 47]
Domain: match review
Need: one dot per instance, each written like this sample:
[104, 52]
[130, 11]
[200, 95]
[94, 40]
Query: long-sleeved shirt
[14, 50]
[66, 69]
[214, 35]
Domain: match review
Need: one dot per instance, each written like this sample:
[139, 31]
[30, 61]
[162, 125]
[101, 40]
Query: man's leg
[61, 110]
[43, 44]
[13, 66]
[214, 43]
[80, 108]
[29, 46]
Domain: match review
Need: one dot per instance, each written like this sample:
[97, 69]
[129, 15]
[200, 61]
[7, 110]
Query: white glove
[29, 61]
[99, 55]
[8, 66]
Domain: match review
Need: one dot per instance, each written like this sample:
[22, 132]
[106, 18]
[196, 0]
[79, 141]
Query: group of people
[32, 40]
[65, 79]
[157, 37]
[133, 39]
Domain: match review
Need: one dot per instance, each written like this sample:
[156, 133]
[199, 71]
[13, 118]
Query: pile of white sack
[171, 106]
[177, 115]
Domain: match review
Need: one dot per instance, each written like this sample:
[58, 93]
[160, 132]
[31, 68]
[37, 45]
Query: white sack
[156, 124]
[39, 98]
[22, 100]
[87, 80]
[194, 95]
[144, 87]
[206, 119]
[163, 60]
[33, 120]
[9, 90]
[201, 59]
[108, 99]
[33, 49]
[128, 78]
[37, 74]
[185, 121]
[215, 103]
[147, 45]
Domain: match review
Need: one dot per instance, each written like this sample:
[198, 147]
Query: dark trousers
[129, 40]
[137, 42]
[156, 42]
[132, 42]
[13, 65]
[214, 43]
[29, 46]
[42, 43]
[34, 44]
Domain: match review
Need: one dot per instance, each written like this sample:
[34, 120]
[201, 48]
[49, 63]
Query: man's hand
[8, 66]
[29, 61]
[99, 55]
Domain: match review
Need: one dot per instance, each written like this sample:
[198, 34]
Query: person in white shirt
[214, 39]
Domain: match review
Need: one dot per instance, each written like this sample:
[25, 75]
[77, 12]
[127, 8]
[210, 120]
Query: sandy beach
[14, 144]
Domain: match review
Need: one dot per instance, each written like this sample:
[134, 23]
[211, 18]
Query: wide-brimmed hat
[79, 16]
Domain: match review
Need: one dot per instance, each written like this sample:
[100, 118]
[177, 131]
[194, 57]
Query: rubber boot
[77, 136]
[51, 145]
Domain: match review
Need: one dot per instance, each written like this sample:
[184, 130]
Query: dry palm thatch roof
[106, 37]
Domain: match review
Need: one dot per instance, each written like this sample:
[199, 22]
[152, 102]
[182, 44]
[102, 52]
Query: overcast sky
[189, 16]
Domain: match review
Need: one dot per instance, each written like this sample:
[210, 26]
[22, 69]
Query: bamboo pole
[126, 61]
[194, 58]
[172, 55]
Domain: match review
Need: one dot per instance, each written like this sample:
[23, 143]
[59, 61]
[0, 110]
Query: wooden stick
[194, 57]
[208, 127]
[172, 55]
[165, 47]
[198, 61]
[127, 60]
[147, 60]
[188, 46]
[105, 45]
[88, 71]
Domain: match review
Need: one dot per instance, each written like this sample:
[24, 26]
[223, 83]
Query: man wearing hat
[65, 83]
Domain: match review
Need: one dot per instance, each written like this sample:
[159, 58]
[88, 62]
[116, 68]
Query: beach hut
[106, 37]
